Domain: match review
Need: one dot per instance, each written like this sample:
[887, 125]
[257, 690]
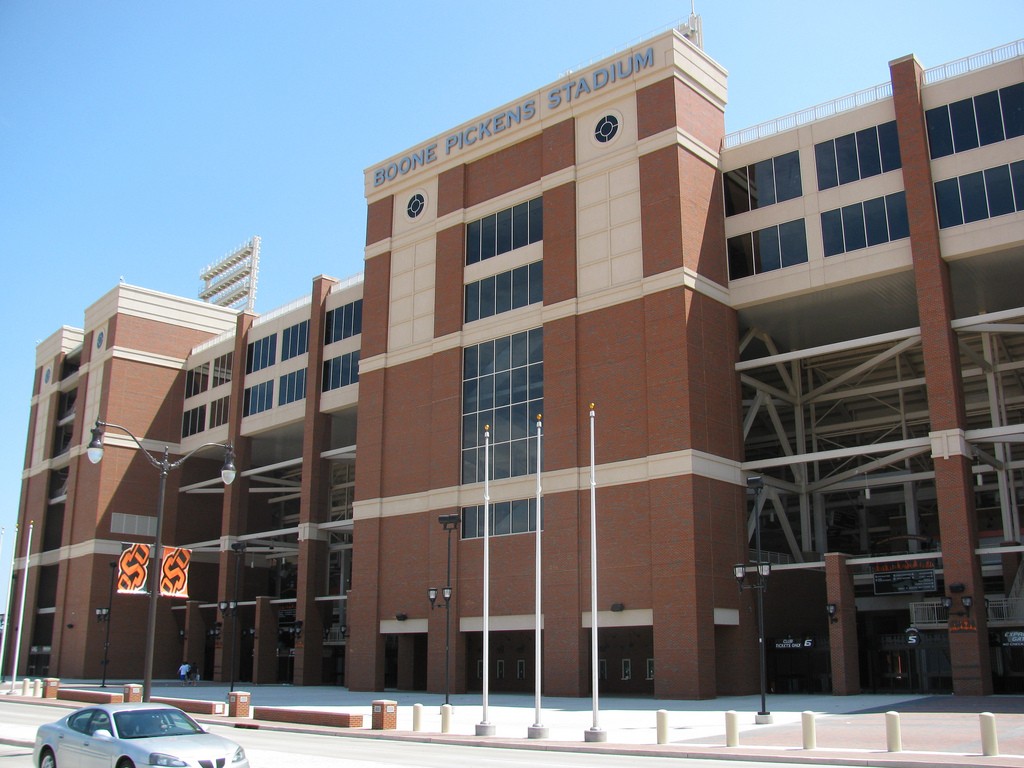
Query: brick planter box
[195, 706]
[308, 717]
[90, 697]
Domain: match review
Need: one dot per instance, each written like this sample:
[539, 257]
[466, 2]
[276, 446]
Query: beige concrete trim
[635, 617]
[949, 442]
[727, 617]
[500, 623]
[407, 627]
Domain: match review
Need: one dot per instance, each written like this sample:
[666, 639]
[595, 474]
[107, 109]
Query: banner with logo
[174, 572]
[133, 569]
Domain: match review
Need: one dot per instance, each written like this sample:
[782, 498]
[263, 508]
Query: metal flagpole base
[485, 729]
[538, 731]
[595, 734]
[763, 718]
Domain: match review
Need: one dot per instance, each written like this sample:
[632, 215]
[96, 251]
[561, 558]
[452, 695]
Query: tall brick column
[264, 662]
[954, 489]
[842, 632]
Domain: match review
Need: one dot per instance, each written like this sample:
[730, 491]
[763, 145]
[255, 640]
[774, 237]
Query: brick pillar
[194, 642]
[264, 663]
[954, 489]
[842, 632]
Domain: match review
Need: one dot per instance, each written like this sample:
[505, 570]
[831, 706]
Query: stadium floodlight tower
[231, 282]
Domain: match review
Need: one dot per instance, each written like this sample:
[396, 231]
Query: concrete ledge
[195, 706]
[308, 717]
[91, 697]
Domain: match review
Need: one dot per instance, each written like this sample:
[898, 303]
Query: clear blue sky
[148, 139]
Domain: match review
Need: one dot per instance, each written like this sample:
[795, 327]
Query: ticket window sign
[898, 578]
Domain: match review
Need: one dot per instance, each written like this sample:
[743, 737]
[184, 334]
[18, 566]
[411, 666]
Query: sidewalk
[851, 730]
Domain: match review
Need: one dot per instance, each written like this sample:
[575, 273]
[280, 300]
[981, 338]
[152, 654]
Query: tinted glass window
[832, 232]
[875, 221]
[972, 197]
[504, 231]
[787, 176]
[537, 281]
[990, 118]
[488, 236]
[766, 250]
[473, 242]
[999, 190]
[472, 302]
[536, 219]
[487, 297]
[825, 164]
[1017, 178]
[867, 150]
[846, 159]
[965, 132]
[1012, 100]
[762, 184]
[940, 136]
[736, 197]
[853, 227]
[947, 199]
[521, 225]
[741, 256]
[503, 292]
[896, 209]
[793, 240]
[889, 146]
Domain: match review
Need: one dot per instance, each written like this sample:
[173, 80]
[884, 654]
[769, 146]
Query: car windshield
[149, 723]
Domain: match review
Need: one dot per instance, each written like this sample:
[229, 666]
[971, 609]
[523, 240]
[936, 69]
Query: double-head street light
[103, 615]
[449, 523]
[163, 466]
[762, 571]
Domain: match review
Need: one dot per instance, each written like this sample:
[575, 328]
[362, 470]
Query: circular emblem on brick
[99, 340]
[606, 129]
[416, 205]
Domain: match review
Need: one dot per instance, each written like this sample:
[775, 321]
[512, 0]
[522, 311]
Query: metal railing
[999, 612]
[974, 62]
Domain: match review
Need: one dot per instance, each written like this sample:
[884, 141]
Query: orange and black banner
[174, 572]
[132, 569]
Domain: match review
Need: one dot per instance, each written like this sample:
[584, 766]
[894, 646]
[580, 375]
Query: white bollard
[809, 730]
[732, 728]
[446, 718]
[989, 740]
[37, 688]
[417, 717]
[662, 722]
[893, 734]
[26, 687]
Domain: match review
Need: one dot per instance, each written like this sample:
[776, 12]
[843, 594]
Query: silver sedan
[130, 735]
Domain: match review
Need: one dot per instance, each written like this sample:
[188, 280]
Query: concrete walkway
[850, 730]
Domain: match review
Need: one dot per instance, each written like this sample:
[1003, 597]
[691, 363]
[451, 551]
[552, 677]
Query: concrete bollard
[662, 724]
[26, 687]
[893, 734]
[810, 730]
[989, 740]
[417, 717]
[446, 718]
[732, 728]
[37, 688]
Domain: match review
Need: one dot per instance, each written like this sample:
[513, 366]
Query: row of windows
[503, 293]
[980, 195]
[197, 379]
[341, 371]
[193, 421]
[219, 412]
[258, 398]
[504, 231]
[976, 122]
[503, 387]
[860, 225]
[507, 517]
[295, 340]
[856, 156]
[261, 353]
[343, 322]
[293, 387]
[762, 184]
[767, 249]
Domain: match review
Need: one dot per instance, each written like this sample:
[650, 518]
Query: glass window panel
[536, 219]
[520, 287]
[536, 282]
[853, 227]
[488, 236]
[469, 465]
[520, 389]
[504, 231]
[472, 311]
[521, 509]
[762, 184]
[825, 165]
[521, 225]
[896, 212]
[793, 242]
[999, 190]
[536, 380]
[965, 131]
[501, 428]
[501, 461]
[990, 118]
[536, 345]
[470, 432]
[867, 152]
[972, 197]
[473, 242]
[520, 414]
[741, 256]
[940, 134]
[503, 353]
[846, 159]
[1012, 100]
[875, 221]
[502, 388]
[487, 297]
[947, 199]
[502, 292]
[767, 257]
[520, 349]
[502, 518]
[357, 317]
[469, 362]
[737, 199]
[520, 458]
[889, 146]
[832, 232]
[787, 176]
[485, 392]
[1017, 179]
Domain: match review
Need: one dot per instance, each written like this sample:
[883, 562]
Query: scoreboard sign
[905, 576]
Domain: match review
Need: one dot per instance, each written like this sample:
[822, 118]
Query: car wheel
[125, 763]
[47, 760]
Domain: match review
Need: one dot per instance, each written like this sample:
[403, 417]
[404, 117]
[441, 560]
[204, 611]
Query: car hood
[197, 745]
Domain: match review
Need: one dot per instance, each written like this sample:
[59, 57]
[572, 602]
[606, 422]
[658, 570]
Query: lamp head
[446, 593]
[739, 571]
[432, 595]
[228, 471]
[95, 449]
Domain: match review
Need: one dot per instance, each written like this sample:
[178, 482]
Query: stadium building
[803, 343]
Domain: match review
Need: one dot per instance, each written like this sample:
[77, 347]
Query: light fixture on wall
[832, 609]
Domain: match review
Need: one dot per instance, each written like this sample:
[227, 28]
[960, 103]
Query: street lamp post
[104, 615]
[763, 571]
[163, 465]
[230, 608]
[449, 523]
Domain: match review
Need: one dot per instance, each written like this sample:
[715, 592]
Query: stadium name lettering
[568, 92]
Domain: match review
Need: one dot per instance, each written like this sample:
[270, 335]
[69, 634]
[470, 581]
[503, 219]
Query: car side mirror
[102, 733]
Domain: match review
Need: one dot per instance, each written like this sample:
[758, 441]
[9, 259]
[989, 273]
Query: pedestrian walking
[184, 672]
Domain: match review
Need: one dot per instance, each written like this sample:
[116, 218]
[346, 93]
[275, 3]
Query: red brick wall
[448, 282]
[560, 244]
[504, 171]
[379, 221]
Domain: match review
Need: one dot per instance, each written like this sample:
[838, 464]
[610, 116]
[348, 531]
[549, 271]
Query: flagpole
[21, 608]
[7, 595]
[537, 730]
[484, 727]
[596, 733]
